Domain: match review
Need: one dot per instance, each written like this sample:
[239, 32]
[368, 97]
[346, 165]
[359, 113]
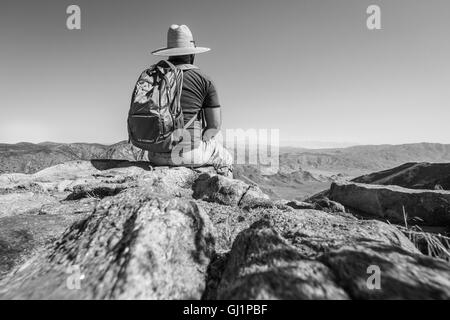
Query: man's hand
[209, 134]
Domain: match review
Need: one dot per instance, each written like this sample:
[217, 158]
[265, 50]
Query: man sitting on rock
[196, 145]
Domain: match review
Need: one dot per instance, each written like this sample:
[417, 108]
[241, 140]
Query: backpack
[155, 111]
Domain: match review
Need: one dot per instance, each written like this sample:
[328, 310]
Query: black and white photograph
[223, 154]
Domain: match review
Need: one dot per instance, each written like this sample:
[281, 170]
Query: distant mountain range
[316, 144]
[364, 158]
[27, 157]
[302, 172]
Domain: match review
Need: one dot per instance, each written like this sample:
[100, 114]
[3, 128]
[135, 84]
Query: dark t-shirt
[198, 93]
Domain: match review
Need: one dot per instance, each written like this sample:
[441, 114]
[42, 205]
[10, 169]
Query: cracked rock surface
[111, 229]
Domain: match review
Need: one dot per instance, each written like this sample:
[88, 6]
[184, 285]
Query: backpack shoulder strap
[182, 67]
[187, 125]
[186, 66]
[168, 63]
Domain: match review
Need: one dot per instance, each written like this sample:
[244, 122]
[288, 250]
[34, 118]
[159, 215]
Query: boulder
[327, 205]
[136, 245]
[402, 275]
[269, 262]
[37, 208]
[263, 265]
[222, 190]
[413, 175]
[321, 203]
[314, 232]
[390, 202]
[295, 204]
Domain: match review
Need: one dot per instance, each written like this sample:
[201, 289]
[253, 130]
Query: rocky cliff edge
[110, 229]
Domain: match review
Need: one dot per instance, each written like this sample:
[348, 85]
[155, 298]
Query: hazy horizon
[312, 145]
[309, 68]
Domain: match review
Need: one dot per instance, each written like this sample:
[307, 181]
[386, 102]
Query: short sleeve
[211, 98]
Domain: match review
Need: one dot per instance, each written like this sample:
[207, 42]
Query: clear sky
[310, 68]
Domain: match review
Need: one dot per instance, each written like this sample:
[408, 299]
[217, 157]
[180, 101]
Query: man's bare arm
[213, 117]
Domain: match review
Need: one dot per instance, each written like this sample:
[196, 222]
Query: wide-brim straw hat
[179, 42]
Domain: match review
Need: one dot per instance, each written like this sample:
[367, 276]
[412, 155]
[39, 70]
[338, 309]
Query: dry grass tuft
[430, 244]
